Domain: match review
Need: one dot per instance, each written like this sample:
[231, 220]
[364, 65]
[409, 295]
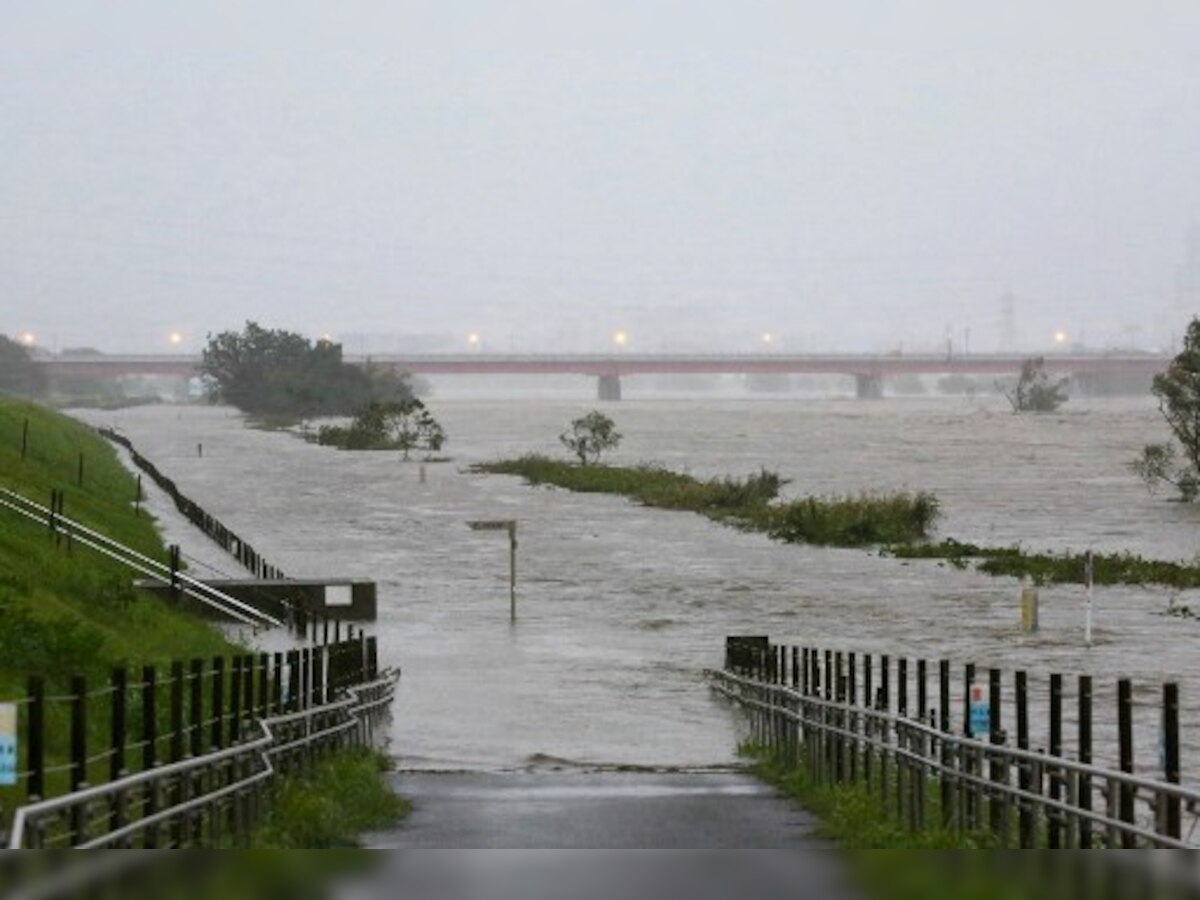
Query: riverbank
[69, 611]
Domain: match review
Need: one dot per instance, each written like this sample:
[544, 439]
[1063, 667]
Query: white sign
[8, 743]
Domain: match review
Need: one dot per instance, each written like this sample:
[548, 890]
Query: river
[620, 608]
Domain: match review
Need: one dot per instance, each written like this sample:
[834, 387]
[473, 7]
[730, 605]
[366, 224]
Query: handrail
[266, 745]
[828, 717]
[137, 561]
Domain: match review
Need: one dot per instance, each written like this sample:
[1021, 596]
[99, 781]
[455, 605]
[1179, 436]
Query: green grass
[340, 798]
[743, 502]
[1052, 568]
[68, 610]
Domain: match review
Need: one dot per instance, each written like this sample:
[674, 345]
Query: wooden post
[175, 566]
[36, 752]
[1084, 800]
[264, 685]
[1125, 753]
[996, 770]
[920, 780]
[176, 830]
[277, 688]
[79, 474]
[852, 725]
[116, 762]
[293, 657]
[902, 713]
[967, 764]
[149, 749]
[868, 705]
[235, 700]
[1055, 818]
[196, 744]
[884, 704]
[947, 795]
[25, 439]
[78, 753]
[218, 702]
[137, 500]
[1024, 779]
[1170, 712]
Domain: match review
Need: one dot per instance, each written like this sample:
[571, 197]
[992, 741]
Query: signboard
[979, 724]
[8, 743]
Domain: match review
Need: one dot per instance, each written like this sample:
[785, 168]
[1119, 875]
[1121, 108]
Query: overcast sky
[858, 175]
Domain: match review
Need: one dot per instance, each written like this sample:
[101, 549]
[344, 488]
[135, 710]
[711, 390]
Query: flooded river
[621, 608]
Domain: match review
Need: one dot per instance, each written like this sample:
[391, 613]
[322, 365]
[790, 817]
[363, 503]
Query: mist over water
[620, 608]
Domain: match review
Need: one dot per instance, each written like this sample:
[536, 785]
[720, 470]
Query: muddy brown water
[621, 608]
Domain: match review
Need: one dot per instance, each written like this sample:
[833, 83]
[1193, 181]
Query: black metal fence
[890, 725]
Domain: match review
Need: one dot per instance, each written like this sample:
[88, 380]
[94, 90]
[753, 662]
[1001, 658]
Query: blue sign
[8, 743]
[980, 722]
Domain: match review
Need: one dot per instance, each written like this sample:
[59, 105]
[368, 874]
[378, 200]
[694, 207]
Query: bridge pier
[608, 388]
[868, 386]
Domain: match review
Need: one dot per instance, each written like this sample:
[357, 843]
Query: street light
[175, 338]
[1060, 337]
[473, 340]
[620, 338]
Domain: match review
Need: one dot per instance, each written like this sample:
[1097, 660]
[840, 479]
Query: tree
[591, 435]
[1178, 393]
[19, 374]
[404, 425]
[1034, 391]
[272, 371]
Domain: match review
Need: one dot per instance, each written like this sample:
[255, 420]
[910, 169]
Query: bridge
[868, 370]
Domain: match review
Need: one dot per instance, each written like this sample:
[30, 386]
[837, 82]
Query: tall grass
[746, 502]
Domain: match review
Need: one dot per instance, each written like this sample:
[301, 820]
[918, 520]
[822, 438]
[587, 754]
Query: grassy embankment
[70, 611]
[744, 503]
[899, 524]
[853, 816]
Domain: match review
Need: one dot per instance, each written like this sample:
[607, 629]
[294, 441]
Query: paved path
[595, 817]
[628, 810]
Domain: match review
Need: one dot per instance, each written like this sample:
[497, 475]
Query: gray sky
[859, 175]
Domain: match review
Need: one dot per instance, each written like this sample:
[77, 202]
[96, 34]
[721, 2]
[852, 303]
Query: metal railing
[926, 775]
[78, 533]
[210, 799]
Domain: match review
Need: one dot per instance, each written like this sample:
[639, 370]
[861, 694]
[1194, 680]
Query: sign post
[509, 525]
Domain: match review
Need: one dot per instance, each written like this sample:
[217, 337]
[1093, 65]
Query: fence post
[883, 703]
[264, 685]
[218, 702]
[868, 703]
[853, 720]
[248, 673]
[293, 657]
[902, 769]
[921, 780]
[79, 474]
[1085, 756]
[78, 753]
[997, 768]
[149, 748]
[947, 795]
[1125, 752]
[176, 750]
[173, 552]
[277, 687]
[1054, 818]
[1025, 771]
[235, 700]
[24, 439]
[116, 762]
[970, 792]
[1170, 713]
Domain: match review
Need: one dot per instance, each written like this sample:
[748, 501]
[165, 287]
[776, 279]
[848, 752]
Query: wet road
[605, 810]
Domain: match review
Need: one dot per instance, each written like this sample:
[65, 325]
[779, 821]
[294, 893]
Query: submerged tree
[1178, 393]
[1034, 391]
[272, 371]
[591, 435]
[405, 425]
[19, 374]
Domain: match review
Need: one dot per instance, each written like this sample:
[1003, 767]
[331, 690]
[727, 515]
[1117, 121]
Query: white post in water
[509, 525]
[1088, 569]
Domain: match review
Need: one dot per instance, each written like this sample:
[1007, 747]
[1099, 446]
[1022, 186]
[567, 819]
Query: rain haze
[857, 176]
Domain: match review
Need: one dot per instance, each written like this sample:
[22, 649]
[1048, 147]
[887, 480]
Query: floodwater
[621, 608]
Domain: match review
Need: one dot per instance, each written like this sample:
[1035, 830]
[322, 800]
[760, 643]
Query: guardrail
[821, 719]
[211, 789]
[63, 528]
